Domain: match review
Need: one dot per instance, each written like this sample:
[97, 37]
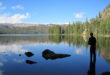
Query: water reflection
[18, 60]
[11, 48]
[92, 65]
[79, 51]
[14, 44]
[30, 62]
[13, 54]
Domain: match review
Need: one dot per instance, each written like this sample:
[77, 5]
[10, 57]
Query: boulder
[48, 54]
[29, 54]
[105, 73]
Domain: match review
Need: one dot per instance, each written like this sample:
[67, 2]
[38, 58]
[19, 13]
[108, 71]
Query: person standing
[92, 43]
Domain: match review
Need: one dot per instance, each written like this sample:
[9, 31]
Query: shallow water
[13, 60]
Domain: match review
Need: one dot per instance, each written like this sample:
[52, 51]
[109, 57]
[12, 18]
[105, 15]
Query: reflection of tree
[102, 43]
[105, 54]
[71, 40]
[104, 48]
[23, 39]
[55, 38]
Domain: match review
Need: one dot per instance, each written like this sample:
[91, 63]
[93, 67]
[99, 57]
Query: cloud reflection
[79, 51]
[13, 48]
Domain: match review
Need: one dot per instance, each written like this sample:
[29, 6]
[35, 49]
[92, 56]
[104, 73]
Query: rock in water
[48, 54]
[60, 56]
[105, 73]
[29, 54]
[47, 51]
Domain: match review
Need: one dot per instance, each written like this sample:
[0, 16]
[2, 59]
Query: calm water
[13, 60]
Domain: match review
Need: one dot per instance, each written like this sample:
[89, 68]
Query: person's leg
[94, 55]
[91, 54]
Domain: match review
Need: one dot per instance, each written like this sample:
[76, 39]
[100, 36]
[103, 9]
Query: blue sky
[49, 11]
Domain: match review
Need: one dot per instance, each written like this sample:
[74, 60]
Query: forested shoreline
[99, 25]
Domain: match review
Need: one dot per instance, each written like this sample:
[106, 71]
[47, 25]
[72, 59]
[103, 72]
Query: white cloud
[79, 15]
[1, 6]
[16, 18]
[17, 7]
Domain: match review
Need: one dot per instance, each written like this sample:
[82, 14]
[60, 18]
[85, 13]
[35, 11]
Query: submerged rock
[30, 62]
[29, 54]
[48, 54]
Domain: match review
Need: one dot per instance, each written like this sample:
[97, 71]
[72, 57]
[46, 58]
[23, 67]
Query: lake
[14, 61]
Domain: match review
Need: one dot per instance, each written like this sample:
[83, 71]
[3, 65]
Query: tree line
[99, 25]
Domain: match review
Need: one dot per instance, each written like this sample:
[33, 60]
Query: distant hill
[23, 28]
[105, 14]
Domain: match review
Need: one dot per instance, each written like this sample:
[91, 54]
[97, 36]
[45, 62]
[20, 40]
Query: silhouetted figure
[30, 62]
[29, 54]
[92, 43]
[48, 54]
